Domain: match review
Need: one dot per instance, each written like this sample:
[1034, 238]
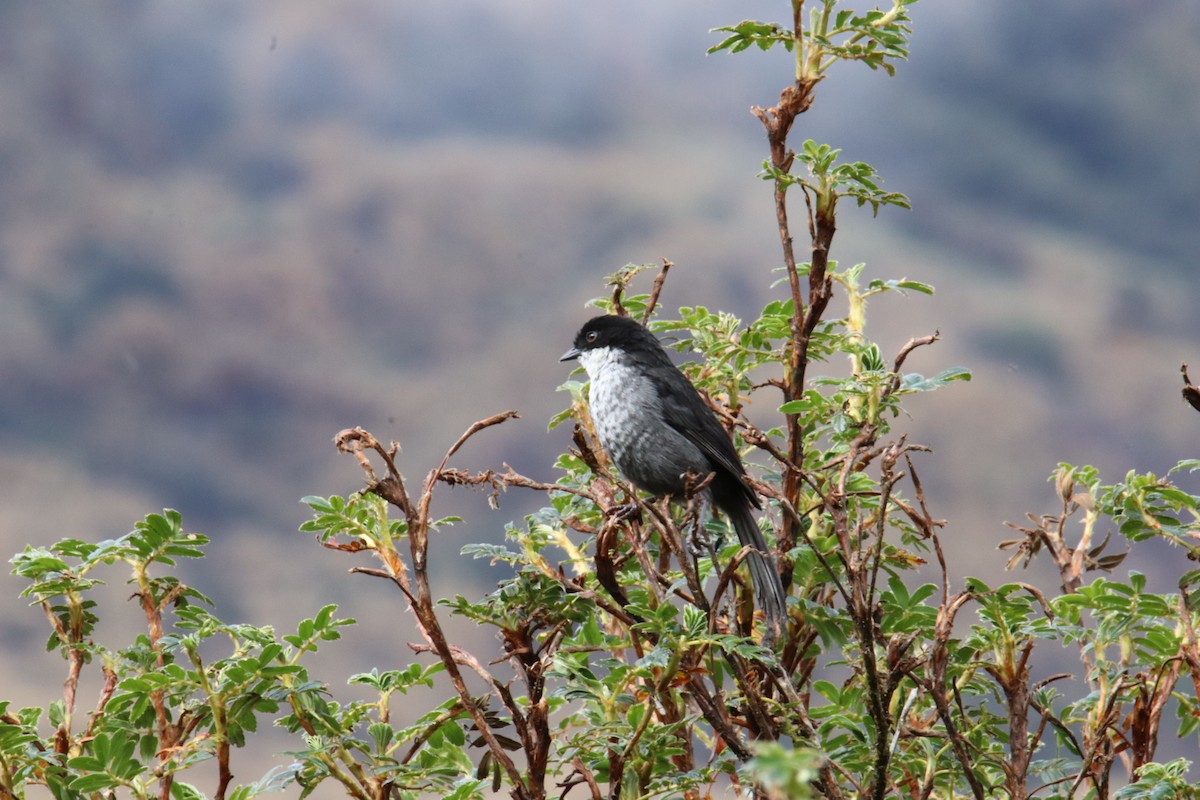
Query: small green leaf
[92, 782]
[916, 382]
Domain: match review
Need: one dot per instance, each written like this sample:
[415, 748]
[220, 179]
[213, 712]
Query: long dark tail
[763, 573]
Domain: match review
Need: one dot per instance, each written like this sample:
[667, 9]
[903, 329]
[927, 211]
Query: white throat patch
[597, 360]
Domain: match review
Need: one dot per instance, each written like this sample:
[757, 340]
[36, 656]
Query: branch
[391, 488]
[912, 344]
[1190, 392]
[475, 428]
[863, 615]
[935, 685]
[655, 289]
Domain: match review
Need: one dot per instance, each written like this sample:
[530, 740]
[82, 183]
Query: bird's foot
[626, 512]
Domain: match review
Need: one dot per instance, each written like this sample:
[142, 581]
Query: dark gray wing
[691, 416]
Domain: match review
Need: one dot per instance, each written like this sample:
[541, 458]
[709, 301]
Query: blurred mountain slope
[229, 230]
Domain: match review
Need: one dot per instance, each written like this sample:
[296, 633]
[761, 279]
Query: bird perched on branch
[656, 428]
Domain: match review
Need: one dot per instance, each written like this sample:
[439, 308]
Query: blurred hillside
[228, 230]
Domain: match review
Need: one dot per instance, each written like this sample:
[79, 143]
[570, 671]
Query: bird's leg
[700, 542]
[715, 543]
[696, 496]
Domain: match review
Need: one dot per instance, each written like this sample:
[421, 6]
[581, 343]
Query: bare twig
[935, 685]
[437, 722]
[909, 346]
[588, 777]
[475, 428]
[106, 693]
[655, 289]
[391, 487]
[777, 121]
[1190, 393]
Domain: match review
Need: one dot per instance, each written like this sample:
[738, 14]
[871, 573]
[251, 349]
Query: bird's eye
[591, 336]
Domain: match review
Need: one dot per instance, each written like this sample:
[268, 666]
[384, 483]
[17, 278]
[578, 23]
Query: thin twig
[909, 346]
[421, 602]
[655, 289]
[1190, 393]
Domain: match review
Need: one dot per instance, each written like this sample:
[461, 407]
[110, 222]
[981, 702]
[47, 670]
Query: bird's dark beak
[570, 355]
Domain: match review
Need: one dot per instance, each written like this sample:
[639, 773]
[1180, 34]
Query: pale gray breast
[622, 401]
[627, 412]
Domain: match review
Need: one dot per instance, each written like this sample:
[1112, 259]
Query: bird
[657, 429]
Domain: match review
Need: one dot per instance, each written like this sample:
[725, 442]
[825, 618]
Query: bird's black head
[611, 332]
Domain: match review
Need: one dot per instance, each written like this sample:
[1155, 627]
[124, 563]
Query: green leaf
[789, 772]
[185, 791]
[764, 35]
[916, 382]
[454, 734]
[382, 735]
[901, 286]
[93, 782]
